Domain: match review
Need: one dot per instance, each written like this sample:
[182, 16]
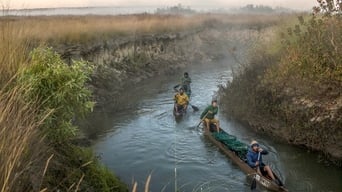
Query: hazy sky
[296, 4]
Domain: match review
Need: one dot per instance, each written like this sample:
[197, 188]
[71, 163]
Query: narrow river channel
[143, 138]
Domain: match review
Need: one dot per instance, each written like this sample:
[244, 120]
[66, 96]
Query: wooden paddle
[202, 119]
[194, 107]
[253, 186]
[280, 183]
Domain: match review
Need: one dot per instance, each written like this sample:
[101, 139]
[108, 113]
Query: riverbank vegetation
[292, 85]
[41, 95]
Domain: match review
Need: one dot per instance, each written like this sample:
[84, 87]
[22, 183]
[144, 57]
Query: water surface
[143, 138]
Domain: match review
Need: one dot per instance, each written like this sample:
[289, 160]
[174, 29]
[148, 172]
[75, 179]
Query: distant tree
[329, 7]
[178, 9]
[250, 8]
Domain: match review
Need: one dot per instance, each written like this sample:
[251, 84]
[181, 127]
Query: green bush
[59, 87]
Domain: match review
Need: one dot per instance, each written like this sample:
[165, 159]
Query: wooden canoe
[251, 173]
[179, 114]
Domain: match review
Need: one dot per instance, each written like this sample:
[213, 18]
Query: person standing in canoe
[181, 101]
[254, 160]
[185, 84]
[208, 116]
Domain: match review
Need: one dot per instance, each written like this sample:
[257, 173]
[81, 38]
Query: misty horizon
[156, 7]
[107, 10]
[200, 4]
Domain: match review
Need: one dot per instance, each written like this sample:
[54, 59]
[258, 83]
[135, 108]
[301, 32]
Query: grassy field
[75, 29]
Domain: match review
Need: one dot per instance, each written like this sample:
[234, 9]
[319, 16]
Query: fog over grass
[24, 4]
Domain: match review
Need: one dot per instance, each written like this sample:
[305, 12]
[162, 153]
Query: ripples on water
[149, 140]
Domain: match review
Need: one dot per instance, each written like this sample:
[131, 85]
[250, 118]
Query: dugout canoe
[251, 173]
[179, 114]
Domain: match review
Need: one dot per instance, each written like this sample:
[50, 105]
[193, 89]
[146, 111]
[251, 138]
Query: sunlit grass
[75, 29]
[14, 48]
[21, 145]
[18, 134]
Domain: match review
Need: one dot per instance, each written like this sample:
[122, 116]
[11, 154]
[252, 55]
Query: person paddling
[185, 84]
[254, 160]
[181, 101]
[208, 116]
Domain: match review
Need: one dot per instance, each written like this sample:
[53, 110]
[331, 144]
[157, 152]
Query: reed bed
[14, 49]
[20, 142]
[80, 29]
[19, 133]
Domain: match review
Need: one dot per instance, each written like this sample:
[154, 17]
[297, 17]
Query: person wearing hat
[208, 116]
[254, 160]
[181, 101]
[185, 84]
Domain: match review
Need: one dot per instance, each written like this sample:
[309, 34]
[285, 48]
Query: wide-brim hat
[254, 143]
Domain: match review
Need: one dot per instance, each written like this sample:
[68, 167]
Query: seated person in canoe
[254, 160]
[185, 84]
[181, 101]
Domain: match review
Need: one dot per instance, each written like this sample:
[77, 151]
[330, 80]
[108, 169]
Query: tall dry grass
[19, 34]
[20, 142]
[147, 185]
[18, 133]
[75, 29]
[14, 48]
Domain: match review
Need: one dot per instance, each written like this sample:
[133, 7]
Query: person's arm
[204, 112]
[183, 80]
[215, 111]
[188, 80]
[250, 161]
[175, 97]
[187, 102]
[263, 151]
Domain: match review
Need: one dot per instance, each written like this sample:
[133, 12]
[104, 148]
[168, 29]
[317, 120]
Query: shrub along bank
[46, 95]
[62, 89]
[292, 85]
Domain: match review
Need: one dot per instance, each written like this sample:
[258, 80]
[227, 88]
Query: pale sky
[19, 4]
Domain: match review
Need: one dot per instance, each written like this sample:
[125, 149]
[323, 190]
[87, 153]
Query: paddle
[253, 186]
[280, 183]
[194, 107]
[202, 119]
[176, 86]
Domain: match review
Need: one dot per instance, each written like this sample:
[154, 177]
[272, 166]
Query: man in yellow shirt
[181, 101]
